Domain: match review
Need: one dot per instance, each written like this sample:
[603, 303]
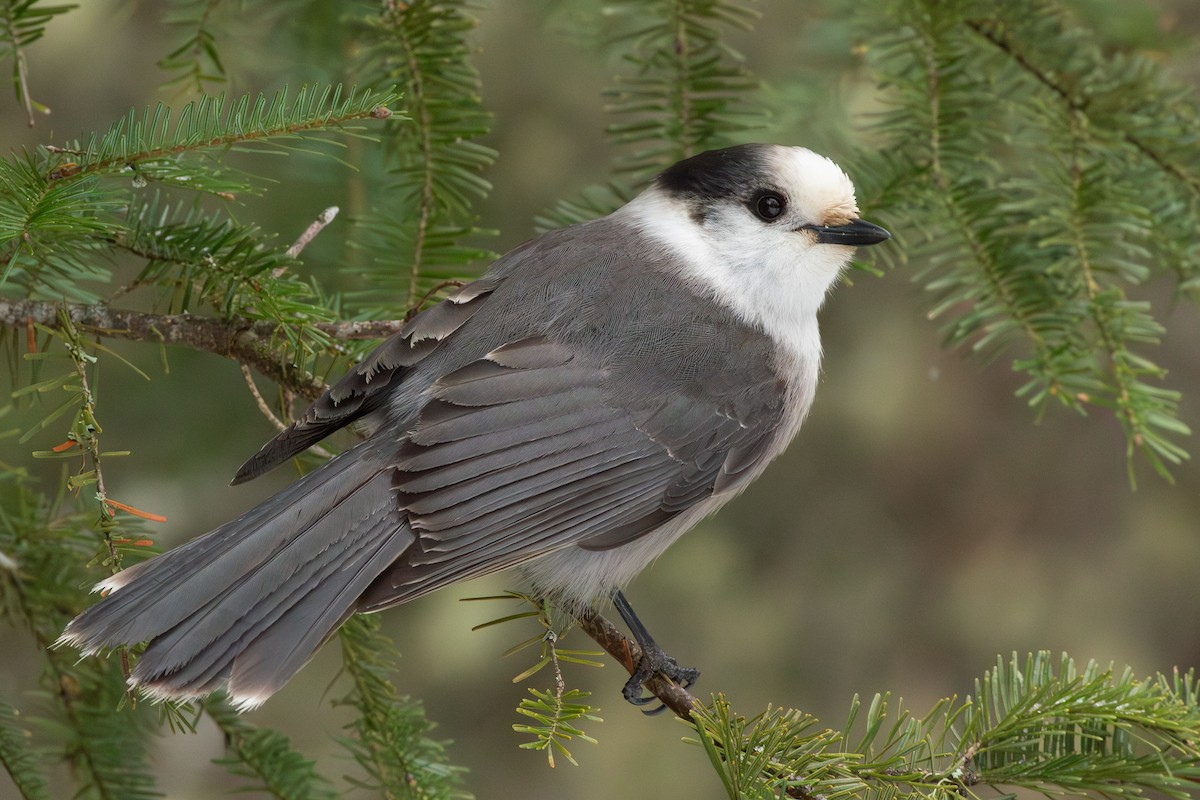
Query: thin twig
[263, 407]
[324, 218]
[627, 653]
[266, 411]
[89, 443]
[415, 308]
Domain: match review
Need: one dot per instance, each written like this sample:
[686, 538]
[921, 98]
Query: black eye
[769, 206]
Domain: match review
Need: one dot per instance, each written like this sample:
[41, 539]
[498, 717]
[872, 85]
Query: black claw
[637, 681]
[654, 661]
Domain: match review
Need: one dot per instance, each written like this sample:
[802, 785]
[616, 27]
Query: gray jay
[595, 394]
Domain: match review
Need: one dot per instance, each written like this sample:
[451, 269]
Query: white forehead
[817, 187]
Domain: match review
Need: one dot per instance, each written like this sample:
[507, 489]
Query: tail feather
[250, 602]
[182, 580]
[276, 655]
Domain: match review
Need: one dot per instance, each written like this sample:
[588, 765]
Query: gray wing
[365, 388]
[535, 448]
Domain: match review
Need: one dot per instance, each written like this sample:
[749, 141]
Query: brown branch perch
[248, 342]
[627, 653]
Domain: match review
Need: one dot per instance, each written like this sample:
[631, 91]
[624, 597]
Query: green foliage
[17, 756]
[1043, 726]
[1031, 724]
[764, 756]
[422, 218]
[63, 209]
[73, 708]
[23, 22]
[119, 538]
[49, 231]
[200, 261]
[195, 60]
[63, 212]
[556, 711]
[555, 715]
[265, 757]
[686, 91]
[1032, 173]
[154, 149]
[389, 737]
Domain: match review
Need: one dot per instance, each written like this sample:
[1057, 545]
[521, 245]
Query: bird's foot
[654, 661]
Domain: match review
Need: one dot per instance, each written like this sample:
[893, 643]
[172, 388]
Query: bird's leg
[654, 658]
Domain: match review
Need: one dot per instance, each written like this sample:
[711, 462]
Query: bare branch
[310, 233]
[265, 409]
[361, 329]
[415, 308]
[246, 341]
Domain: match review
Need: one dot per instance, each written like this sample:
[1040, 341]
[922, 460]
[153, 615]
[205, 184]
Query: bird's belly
[578, 578]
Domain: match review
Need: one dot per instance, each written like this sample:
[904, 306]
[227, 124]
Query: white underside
[578, 577]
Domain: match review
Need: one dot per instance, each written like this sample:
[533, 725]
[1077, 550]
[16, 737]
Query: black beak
[854, 233]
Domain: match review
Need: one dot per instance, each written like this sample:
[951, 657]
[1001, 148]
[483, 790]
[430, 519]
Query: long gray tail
[250, 602]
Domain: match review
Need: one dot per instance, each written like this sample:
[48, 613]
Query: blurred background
[922, 523]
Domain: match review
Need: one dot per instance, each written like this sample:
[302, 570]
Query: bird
[597, 392]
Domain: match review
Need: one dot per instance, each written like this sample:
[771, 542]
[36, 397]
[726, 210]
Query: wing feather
[364, 388]
[441, 472]
[535, 448]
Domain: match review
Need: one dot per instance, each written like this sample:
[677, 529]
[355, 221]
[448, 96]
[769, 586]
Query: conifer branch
[23, 22]
[1022, 139]
[196, 58]
[106, 751]
[17, 756]
[215, 123]
[266, 757]
[1122, 376]
[418, 226]
[1041, 725]
[390, 736]
[85, 433]
[425, 128]
[686, 92]
[947, 193]
[992, 31]
[246, 341]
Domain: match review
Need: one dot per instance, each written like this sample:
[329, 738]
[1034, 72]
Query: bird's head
[765, 228]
